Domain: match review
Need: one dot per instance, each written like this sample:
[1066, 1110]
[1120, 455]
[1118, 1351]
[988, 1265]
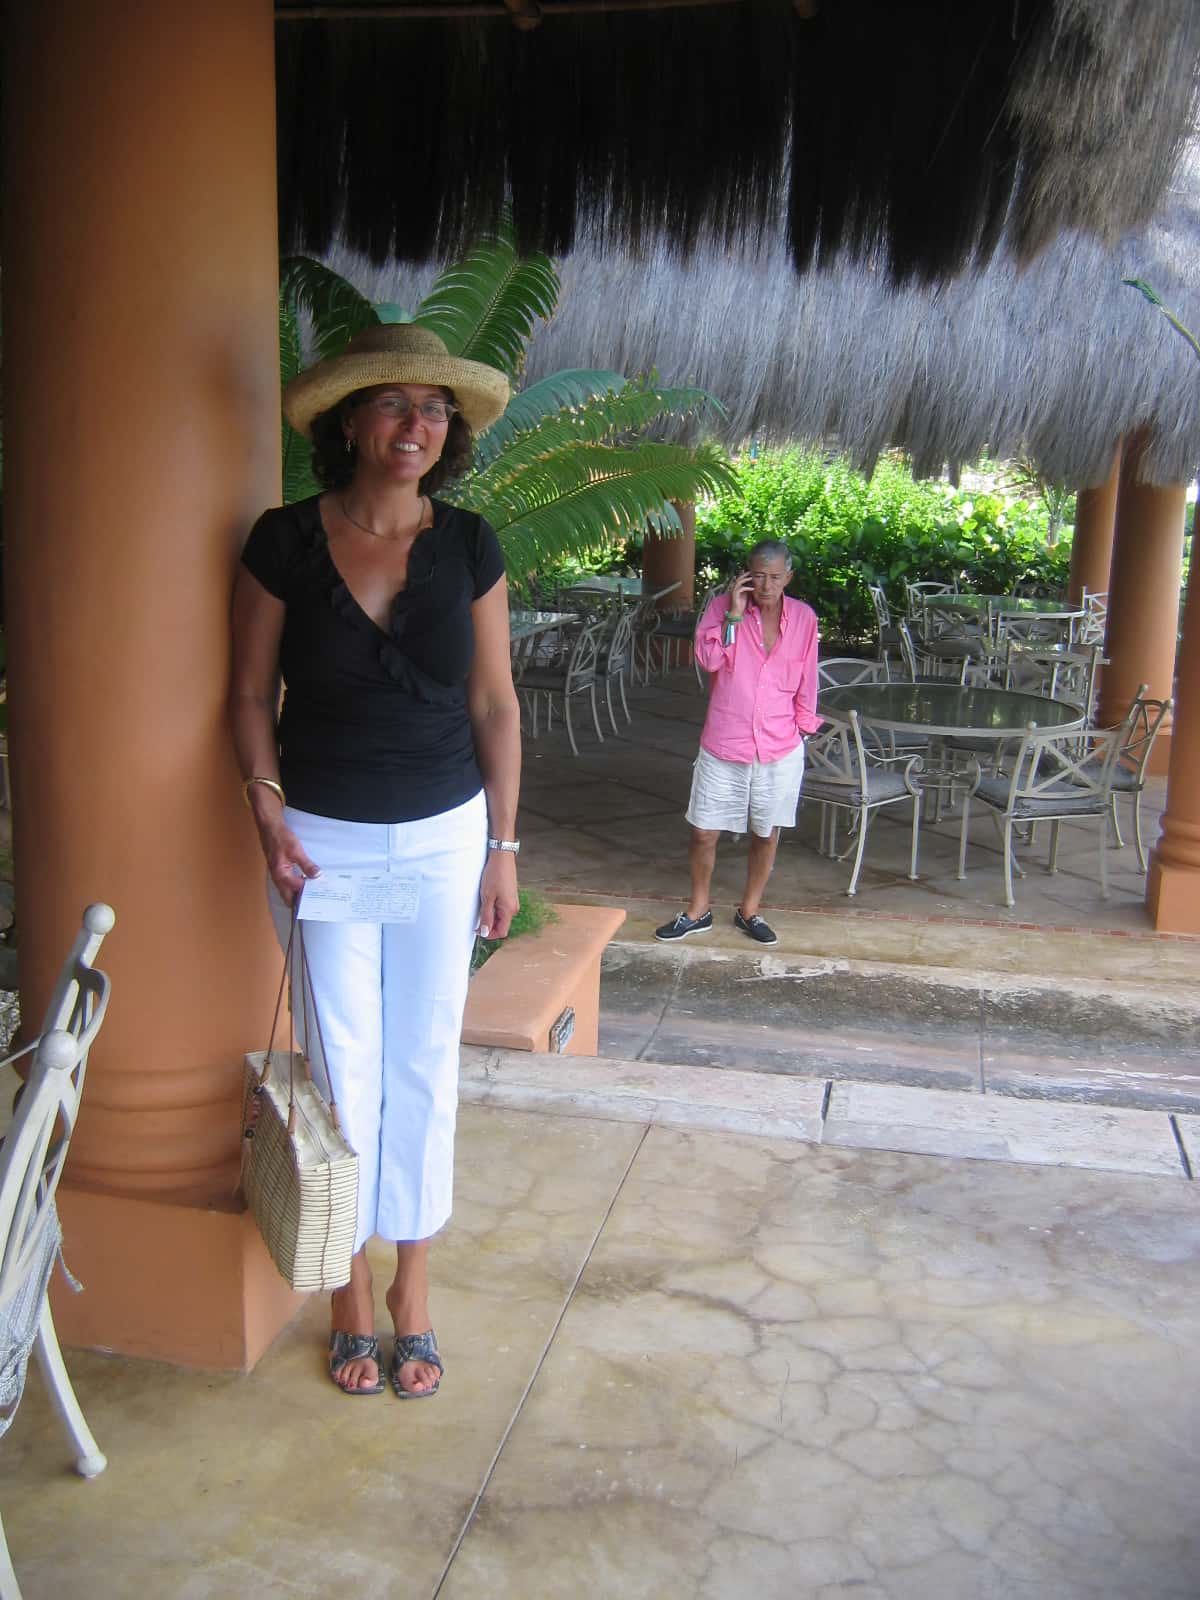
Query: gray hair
[770, 548]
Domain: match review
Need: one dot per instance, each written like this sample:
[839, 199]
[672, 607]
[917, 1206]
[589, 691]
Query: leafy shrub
[534, 912]
[845, 531]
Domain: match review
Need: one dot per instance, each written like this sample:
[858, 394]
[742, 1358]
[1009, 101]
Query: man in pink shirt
[760, 647]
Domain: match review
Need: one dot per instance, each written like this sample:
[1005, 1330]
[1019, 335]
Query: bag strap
[307, 999]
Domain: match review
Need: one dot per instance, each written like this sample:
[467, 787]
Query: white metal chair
[1091, 626]
[1139, 729]
[31, 1162]
[614, 662]
[839, 773]
[577, 677]
[1055, 778]
[889, 637]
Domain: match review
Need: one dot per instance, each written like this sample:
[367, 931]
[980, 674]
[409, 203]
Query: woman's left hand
[498, 894]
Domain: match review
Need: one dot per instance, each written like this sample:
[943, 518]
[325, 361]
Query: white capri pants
[390, 999]
[731, 794]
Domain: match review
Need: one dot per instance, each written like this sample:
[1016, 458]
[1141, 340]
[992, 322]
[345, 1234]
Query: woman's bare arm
[496, 723]
[253, 698]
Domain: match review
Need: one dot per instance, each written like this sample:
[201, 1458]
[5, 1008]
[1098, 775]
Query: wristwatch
[513, 846]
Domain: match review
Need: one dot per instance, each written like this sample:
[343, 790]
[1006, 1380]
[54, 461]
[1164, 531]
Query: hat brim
[480, 392]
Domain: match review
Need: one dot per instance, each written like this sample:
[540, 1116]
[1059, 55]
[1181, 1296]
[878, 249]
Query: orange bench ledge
[514, 999]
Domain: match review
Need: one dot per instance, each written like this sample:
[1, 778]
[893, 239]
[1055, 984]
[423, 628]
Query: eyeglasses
[397, 406]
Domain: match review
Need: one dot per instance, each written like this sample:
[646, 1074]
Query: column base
[183, 1284]
[1173, 896]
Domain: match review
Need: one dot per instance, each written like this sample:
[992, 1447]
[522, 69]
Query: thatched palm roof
[903, 133]
[1055, 361]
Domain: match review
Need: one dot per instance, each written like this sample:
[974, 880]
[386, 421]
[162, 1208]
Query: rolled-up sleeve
[711, 651]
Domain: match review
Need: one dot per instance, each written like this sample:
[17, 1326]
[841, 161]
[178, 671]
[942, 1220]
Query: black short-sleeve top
[374, 726]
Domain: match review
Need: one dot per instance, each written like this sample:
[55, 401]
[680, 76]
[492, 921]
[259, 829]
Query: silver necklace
[390, 538]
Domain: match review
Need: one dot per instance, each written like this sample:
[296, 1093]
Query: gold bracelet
[267, 783]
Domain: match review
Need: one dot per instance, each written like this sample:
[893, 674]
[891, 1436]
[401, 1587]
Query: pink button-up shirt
[760, 705]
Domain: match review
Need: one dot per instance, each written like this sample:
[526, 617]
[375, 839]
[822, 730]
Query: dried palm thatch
[903, 135]
[1055, 361]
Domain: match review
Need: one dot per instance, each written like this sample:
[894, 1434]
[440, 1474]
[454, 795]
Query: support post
[1173, 881]
[1143, 596]
[141, 373]
[1095, 526]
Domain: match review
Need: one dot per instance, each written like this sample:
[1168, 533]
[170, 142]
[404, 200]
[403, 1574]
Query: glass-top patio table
[1007, 605]
[626, 588]
[524, 624]
[947, 709]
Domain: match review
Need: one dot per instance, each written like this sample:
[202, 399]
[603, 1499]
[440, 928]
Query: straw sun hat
[396, 352]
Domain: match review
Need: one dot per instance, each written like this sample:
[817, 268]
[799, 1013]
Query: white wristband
[513, 846]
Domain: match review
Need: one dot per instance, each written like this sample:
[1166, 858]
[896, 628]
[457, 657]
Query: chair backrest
[945, 622]
[836, 755]
[1074, 769]
[1091, 627]
[617, 642]
[35, 1146]
[1070, 675]
[1046, 627]
[1145, 717]
[915, 593]
[837, 670]
[883, 615]
[581, 669]
[907, 650]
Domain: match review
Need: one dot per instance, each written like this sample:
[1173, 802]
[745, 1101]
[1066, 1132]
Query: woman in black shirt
[397, 751]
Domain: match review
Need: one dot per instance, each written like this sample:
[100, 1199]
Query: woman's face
[401, 448]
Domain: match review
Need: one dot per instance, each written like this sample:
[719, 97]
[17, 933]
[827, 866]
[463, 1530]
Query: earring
[349, 446]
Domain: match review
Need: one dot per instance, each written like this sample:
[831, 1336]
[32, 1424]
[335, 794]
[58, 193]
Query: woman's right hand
[287, 861]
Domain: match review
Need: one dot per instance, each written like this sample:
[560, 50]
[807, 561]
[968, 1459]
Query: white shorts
[731, 794]
[390, 1000]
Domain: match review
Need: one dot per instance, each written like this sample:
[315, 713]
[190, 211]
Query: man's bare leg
[758, 870]
[702, 858]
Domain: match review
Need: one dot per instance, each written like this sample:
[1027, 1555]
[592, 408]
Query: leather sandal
[347, 1347]
[415, 1347]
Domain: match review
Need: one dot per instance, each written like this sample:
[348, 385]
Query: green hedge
[845, 531]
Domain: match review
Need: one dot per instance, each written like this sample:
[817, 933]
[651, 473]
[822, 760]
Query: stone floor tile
[275, 1484]
[794, 1371]
[997, 1128]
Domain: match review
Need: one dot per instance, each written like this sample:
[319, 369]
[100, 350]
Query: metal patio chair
[31, 1162]
[839, 773]
[614, 662]
[566, 683]
[1140, 729]
[1054, 778]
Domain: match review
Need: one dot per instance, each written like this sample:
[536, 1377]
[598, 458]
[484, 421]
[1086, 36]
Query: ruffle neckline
[319, 565]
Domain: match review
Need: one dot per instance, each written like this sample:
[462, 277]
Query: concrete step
[1055, 1036]
[847, 1114]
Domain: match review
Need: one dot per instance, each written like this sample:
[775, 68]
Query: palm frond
[485, 306]
[335, 306]
[290, 357]
[298, 480]
[572, 387]
[583, 497]
[607, 418]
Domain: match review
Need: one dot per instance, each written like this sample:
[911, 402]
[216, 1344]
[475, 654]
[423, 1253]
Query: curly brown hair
[333, 465]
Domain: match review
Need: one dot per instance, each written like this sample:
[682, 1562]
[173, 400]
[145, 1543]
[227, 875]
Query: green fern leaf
[289, 340]
[298, 480]
[571, 387]
[580, 500]
[335, 306]
[485, 306]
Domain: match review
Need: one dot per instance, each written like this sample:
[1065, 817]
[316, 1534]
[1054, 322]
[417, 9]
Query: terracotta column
[665, 560]
[141, 438]
[1143, 596]
[1095, 524]
[1173, 883]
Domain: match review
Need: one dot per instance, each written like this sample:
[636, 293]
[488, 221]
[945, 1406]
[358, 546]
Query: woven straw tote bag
[299, 1175]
